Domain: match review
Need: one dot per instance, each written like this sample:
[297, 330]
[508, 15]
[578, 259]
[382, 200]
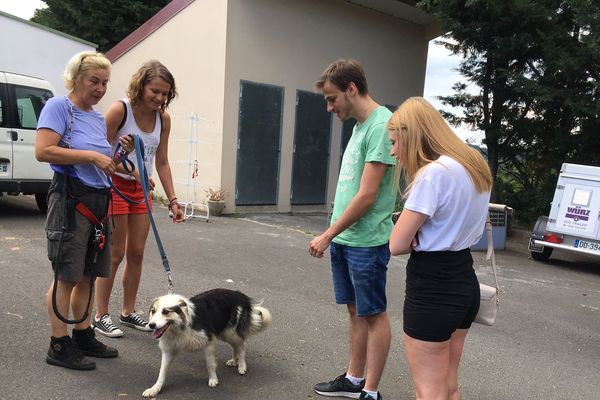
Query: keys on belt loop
[99, 240]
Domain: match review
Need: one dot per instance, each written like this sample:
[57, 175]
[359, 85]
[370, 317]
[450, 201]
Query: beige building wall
[192, 46]
[288, 43]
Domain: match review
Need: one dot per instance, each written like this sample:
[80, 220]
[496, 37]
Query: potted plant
[215, 200]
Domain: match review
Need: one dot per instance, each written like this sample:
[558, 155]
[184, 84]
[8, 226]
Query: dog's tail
[261, 318]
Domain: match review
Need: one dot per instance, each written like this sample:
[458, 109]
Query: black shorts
[77, 253]
[442, 294]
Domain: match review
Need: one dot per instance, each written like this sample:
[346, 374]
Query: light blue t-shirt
[88, 132]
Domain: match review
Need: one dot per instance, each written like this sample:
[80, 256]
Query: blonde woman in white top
[444, 214]
[143, 112]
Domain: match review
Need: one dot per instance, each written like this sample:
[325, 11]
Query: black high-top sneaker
[86, 340]
[64, 353]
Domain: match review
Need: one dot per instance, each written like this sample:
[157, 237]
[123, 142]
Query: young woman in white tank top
[150, 92]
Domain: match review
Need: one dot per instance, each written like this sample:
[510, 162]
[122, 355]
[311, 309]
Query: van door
[29, 102]
[5, 135]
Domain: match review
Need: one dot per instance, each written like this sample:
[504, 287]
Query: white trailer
[573, 221]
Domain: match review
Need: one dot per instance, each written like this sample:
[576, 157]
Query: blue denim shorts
[359, 277]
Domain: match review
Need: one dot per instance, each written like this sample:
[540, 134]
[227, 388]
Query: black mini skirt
[442, 294]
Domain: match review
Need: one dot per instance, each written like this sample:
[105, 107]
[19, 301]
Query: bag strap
[124, 115]
[490, 250]
[65, 140]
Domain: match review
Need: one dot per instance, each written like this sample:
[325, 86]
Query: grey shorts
[77, 252]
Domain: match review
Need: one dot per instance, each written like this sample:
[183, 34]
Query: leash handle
[120, 156]
[490, 252]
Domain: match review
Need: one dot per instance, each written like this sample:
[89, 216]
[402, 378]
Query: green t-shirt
[369, 143]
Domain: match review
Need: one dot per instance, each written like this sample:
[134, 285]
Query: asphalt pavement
[545, 344]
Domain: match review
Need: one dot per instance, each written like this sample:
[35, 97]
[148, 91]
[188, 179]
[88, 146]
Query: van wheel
[544, 255]
[41, 200]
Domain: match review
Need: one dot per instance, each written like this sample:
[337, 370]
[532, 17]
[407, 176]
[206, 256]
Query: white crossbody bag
[488, 305]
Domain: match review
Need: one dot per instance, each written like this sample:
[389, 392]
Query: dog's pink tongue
[157, 333]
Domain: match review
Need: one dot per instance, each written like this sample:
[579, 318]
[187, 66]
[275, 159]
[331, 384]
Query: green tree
[537, 64]
[103, 22]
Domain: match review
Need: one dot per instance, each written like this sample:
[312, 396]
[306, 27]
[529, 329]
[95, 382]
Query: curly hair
[148, 71]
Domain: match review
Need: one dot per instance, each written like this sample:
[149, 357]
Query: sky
[440, 76]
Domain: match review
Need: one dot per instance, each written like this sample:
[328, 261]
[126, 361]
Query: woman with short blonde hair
[71, 137]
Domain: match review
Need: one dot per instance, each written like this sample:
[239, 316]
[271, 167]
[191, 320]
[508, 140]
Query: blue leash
[129, 168]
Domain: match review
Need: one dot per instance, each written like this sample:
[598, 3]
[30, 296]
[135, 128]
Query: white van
[21, 101]
[574, 220]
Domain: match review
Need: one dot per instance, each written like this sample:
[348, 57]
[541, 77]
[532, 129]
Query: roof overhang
[402, 9]
[155, 22]
[406, 10]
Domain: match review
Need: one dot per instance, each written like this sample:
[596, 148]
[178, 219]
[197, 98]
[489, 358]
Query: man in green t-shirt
[360, 229]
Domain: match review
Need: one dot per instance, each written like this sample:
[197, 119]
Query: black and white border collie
[193, 324]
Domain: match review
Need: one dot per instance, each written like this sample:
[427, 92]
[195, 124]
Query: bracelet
[173, 202]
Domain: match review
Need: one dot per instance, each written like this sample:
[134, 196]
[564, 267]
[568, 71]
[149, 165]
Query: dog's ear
[152, 308]
[181, 310]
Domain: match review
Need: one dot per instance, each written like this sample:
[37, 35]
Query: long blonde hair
[81, 63]
[423, 136]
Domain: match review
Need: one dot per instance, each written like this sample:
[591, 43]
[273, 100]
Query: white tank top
[151, 139]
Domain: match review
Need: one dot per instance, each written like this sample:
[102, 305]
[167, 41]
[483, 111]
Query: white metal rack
[191, 207]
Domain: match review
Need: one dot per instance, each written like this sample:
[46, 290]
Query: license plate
[584, 244]
[3, 167]
[538, 248]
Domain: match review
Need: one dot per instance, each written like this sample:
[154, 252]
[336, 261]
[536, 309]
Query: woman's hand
[138, 178]
[127, 143]
[177, 212]
[404, 237]
[103, 162]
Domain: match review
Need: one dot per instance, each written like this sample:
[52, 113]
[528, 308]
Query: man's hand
[318, 245]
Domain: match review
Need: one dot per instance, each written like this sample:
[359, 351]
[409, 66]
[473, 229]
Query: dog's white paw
[242, 369]
[231, 363]
[151, 392]
[212, 382]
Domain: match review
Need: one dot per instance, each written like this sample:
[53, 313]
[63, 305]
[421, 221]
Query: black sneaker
[340, 387]
[86, 340]
[365, 396]
[64, 353]
[134, 320]
[106, 327]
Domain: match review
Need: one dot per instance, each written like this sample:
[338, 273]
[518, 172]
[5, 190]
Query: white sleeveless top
[151, 139]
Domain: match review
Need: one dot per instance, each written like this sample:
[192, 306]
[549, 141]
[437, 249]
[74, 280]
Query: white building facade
[35, 50]
[247, 69]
